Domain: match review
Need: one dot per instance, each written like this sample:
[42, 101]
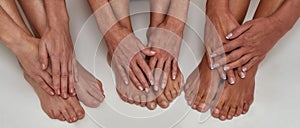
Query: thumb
[43, 55]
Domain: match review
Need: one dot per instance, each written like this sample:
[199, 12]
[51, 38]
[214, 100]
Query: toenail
[217, 111]
[164, 103]
[222, 117]
[194, 106]
[202, 106]
[74, 118]
[152, 105]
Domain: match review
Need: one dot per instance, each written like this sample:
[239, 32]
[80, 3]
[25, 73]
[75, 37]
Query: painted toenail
[164, 103]
[74, 118]
[152, 105]
[202, 106]
[243, 75]
[222, 117]
[217, 111]
[231, 80]
[226, 68]
[194, 106]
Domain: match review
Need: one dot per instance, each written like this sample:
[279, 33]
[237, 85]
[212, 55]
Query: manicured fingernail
[153, 52]
[43, 66]
[243, 75]
[155, 88]
[151, 82]
[224, 77]
[229, 36]
[146, 90]
[52, 93]
[174, 77]
[244, 69]
[211, 66]
[58, 92]
[213, 55]
[141, 88]
[216, 65]
[231, 81]
[226, 68]
[126, 82]
[163, 86]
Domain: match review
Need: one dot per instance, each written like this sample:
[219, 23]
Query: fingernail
[153, 52]
[141, 88]
[211, 67]
[243, 75]
[226, 68]
[163, 86]
[146, 90]
[52, 93]
[229, 36]
[224, 77]
[244, 69]
[43, 66]
[216, 65]
[126, 82]
[151, 82]
[231, 81]
[174, 77]
[58, 92]
[213, 55]
[155, 88]
[72, 90]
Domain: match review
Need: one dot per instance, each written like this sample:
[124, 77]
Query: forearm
[10, 34]
[217, 6]
[288, 14]
[104, 15]
[56, 13]
[159, 10]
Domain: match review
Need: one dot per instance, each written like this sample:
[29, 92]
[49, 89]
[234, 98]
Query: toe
[239, 111]
[162, 101]
[137, 100]
[66, 115]
[151, 105]
[174, 94]
[224, 112]
[196, 102]
[231, 113]
[217, 109]
[72, 114]
[143, 101]
[246, 108]
[168, 94]
[61, 117]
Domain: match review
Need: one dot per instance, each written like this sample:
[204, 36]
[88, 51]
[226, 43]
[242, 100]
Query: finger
[239, 30]
[140, 76]
[47, 78]
[75, 69]
[230, 46]
[250, 64]
[158, 73]
[43, 55]
[222, 73]
[56, 74]
[148, 52]
[240, 62]
[165, 75]
[135, 80]
[231, 77]
[71, 84]
[152, 63]
[44, 86]
[123, 74]
[174, 69]
[233, 56]
[241, 73]
[146, 69]
[64, 80]
[209, 59]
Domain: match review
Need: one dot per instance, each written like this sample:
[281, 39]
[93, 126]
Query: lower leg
[267, 8]
[121, 11]
[239, 9]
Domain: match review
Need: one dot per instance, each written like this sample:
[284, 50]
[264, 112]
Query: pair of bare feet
[88, 89]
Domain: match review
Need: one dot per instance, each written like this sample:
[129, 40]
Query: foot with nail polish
[234, 100]
[201, 86]
[55, 106]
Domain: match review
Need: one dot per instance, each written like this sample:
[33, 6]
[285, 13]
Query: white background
[276, 96]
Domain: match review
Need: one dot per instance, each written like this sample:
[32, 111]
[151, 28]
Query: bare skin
[202, 84]
[237, 99]
[88, 89]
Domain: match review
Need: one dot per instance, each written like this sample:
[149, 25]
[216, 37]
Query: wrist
[175, 25]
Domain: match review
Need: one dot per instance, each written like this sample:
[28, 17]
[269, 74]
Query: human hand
[250, 43]
[165, 40]
[127, 54]
[56, 44]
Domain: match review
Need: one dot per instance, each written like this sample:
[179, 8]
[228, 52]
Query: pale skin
[88, 88]
[23, 44]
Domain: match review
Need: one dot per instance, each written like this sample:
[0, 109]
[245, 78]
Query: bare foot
[201, 86]
[55, 106]
[88, 88]
[173, 88]
[235, 100]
